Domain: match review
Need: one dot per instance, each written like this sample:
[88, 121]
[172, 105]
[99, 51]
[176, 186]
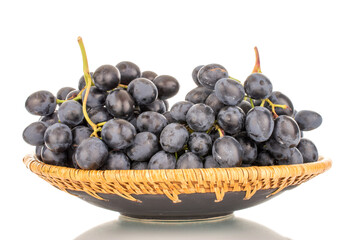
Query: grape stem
[221, 132]
[273, 106]
[77, 98]
[236, 80]
[252, 103]
[123, 86]
[87, 78]
[257, 68]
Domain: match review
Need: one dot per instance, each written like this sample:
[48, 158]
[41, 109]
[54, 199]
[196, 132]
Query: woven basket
[130, 183]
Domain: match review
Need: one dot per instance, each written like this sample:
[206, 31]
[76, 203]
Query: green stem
[176, 156]
[252, 103]
[262, 103]
[236, 80]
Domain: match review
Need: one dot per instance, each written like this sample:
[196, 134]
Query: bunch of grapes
[119, 118]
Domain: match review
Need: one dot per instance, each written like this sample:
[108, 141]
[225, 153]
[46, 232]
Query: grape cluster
[119, 118]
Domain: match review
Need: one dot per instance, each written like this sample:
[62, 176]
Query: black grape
[50, 119]
[128, 71]
[231, 119]
[195, 75]
[106, 77]
[245, 106]
[99, 115]
[120, 104]
[72, 95]
[277, 150]
[42, 103]
[258, 86]
[259, 124]
[70, 113]
[139, 165]
[38, 152]
[143, 91]
[149, 75]
[167, 86]
[79, 134]
[264, 159]
[308, 120]
[173, 137]
[118, 134]
[54, 158]
[211, 163]
[144, 147]
[229, 91]
[209, 74]
[162, 160]
[227, 152]
[156, 106]
[168, 117]
[95, 98]
[249, 148]
[198, 95]
[308, 150]
[151, 122]
[200, 117]
[58, 137]
[63, 92]
[189, 160]
[286, 131]
[200, 143]
[34, 133]
[91, 154]
[179, 110]
[295, 158]
[116, 160]
[213, 102]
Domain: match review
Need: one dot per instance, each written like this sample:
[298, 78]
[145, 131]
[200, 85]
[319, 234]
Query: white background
[309, 49]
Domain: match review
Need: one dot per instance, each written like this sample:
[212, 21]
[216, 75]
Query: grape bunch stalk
[119, 118]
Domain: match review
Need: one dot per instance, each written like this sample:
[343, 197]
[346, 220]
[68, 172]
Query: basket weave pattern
[173, 182]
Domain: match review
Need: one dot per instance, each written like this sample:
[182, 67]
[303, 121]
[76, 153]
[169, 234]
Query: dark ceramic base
[193, 206]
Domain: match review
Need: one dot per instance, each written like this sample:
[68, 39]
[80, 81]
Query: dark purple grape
[95, 98]
[264, 159]
[144, 147]
[179, 110]
[82, 82]
[230, 92]
[227, 152]
[308, 120]
[173, 137]
[149, 75]
[38, 152]
[200, 143]
[50, 119]
[189, 160]
[79, 134]
[162, 160]
[63, 92]
[128, 71]
[245, 106]
[195, 75]
[258, 86]
[156, 106]
[168, 117]
[58, 137]
[250, 150]
[277, 150]
[308, 150]
[34, 133]
[167, 86]
[211, 163]
[91, 154]
[198, 95]
[70, 113]
[167, 106]
[231, 119]
[106, 77]
[143, 91]
[259, 124]
[118, 134]
[139, 165]
[42, 103]
[54, 158]
[286, 131]
[116, 160]
[151, 122]
[200, 117]
[214, 135]
[73, 94]
[213, 102]
[295, 158]
[209, 74]
[99, 115]
[120, 104]
[277, 97]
